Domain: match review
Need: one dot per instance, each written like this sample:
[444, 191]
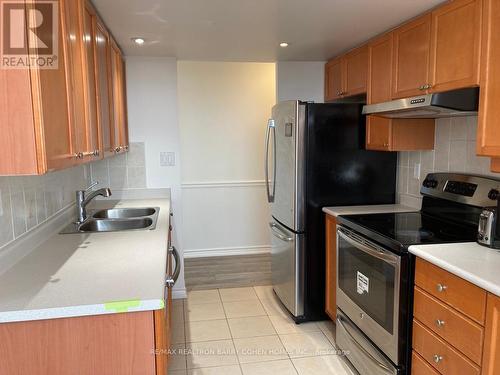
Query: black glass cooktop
[400, 230]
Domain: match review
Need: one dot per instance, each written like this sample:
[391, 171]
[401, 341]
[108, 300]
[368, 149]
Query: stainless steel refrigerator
[316, 157]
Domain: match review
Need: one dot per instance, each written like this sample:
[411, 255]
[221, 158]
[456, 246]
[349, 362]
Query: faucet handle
[93, 184]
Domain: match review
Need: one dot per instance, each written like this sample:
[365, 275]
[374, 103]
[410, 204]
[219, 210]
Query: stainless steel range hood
[462, 102]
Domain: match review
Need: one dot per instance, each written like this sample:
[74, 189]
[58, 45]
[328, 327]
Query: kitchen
[356, 246]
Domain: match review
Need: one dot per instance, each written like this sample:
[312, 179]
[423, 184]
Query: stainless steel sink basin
[106, 225]
[124, 213]
[116, 220]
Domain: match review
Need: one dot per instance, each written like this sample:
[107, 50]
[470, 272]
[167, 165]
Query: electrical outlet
[416, 171]
[167, 159]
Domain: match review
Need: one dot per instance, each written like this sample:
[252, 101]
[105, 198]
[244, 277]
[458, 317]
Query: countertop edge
[80, 311]
[457, 271]
[367, 209]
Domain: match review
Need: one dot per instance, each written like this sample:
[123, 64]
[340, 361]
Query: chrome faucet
[82, 200]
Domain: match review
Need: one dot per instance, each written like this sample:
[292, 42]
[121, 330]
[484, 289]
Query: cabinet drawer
[443, 357]
[455, 328]
[456, 292]
[420, 367]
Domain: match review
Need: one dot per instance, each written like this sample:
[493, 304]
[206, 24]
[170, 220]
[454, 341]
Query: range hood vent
[456, 103]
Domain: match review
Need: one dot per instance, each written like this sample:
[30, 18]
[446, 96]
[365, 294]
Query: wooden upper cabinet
[94, 148]
[488, 136]
[120, 129]
[355, 70]
[333, 79]
[379, 82]
[104, 86]
[455, 45]
[346, 75]
[411, 58]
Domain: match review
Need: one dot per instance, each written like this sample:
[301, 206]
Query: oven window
[368, 282]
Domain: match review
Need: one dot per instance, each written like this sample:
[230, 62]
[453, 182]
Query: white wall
[223, 110]
[302, 80]
[152, 116]
[454, 151]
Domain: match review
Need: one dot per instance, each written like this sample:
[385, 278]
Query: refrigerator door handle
[280, 234]
[270, 129]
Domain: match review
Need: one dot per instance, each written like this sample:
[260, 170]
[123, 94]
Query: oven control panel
[469, 189]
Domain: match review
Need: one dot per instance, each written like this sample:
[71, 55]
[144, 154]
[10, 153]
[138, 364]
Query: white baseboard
[179, 294]
[227, 251]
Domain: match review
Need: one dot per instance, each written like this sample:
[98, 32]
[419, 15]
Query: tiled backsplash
[122, 172]
[27, 201]
[455, 151]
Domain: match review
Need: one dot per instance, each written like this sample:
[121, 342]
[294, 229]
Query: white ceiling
[250, 30]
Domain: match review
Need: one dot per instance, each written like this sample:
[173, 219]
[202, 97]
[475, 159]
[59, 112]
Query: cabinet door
[495, 165]
[488, 135]
[104, 85]
[331, 267]
[411, 58]
[380, 70]
[355, 71]
[333, 79]
[455, 45]
[120, 130]
[491, 357]
[93, 149]
[74, 38]
[52, 102]
[378, 133]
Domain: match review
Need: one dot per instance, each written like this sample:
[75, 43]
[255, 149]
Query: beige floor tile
[224, 370]
[177, 335]
[251, 327]
[274, 307]
[177, 359]
[209, 330]
[205, 311]
[287, 325]
[306, 344]
[178, 313]
[211, 354]
[264, 292]
[203, 296]
[328, 328]
[324, 365]
[242, 309]
[237, 294]
[177, 372]
[284, 367]
[260, 349]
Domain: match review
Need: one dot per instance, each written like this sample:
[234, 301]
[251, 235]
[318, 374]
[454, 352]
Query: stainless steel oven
[368, 297]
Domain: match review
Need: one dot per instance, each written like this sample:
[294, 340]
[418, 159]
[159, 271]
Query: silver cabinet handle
[437, 358]
[441, 288]
[171, 280]
[439, 322]
[79, 155]
[278, 233]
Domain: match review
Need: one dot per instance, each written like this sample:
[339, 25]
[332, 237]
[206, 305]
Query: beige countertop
[475, 263]
[374, 209]
[90, 274]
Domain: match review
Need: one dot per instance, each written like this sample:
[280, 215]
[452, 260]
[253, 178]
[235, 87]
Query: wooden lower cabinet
[331, 267]
[384, 134]
[134, 343]
[456, 327]
[495, 165]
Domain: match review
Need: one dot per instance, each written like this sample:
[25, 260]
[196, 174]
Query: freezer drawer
[287, 263]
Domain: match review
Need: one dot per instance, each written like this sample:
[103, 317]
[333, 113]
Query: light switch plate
[167, 159]
[416, 171]
[1, 204]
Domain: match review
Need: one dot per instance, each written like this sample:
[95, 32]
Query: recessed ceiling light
[138, 41]
[283, 44]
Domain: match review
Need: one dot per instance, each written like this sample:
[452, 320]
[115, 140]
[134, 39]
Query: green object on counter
[122, 306]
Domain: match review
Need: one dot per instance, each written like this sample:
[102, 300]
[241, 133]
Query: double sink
[116, 220]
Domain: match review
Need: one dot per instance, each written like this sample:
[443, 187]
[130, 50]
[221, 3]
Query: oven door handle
[372, 251]
[360, 347]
